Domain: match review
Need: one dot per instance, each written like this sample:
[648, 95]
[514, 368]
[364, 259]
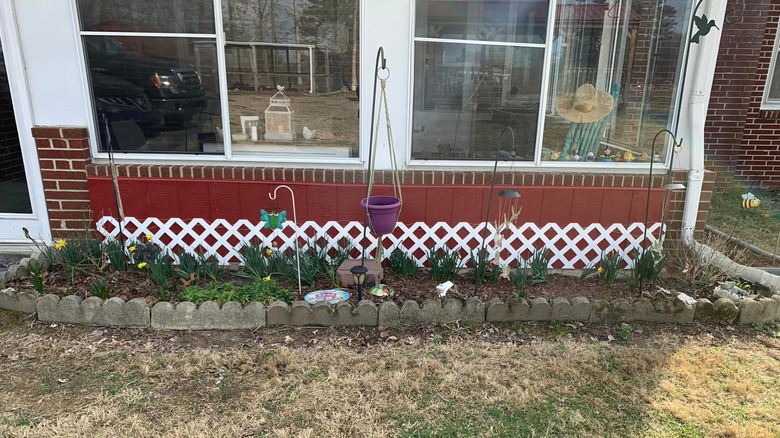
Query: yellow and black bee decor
[749, 200]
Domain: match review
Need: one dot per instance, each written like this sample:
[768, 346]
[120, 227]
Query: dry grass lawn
[510, 381]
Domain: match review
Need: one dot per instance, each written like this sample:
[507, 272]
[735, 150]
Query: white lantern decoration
[278, 117]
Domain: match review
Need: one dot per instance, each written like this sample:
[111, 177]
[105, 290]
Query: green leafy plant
[483, 271]
[263, 291]
[115, 251]
[280, 265]
[310, 268]
[143, 252]
[648, 264]
[445, 264]
[189, 266]
[403, 264]
[607, 268]
[538, 263]
[625, 332]
[160, 269]
[519, 278]
[254, 257]
[79, 254]
[210, 266]
[100, 288]
[36, 274]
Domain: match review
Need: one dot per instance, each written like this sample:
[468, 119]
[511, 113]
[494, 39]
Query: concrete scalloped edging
[231, 316]
[113, 312]
[19, 269]
[207, 316]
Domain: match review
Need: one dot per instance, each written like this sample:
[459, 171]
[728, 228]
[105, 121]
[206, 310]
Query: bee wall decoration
[749, 200]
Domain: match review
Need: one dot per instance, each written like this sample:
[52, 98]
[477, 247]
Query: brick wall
[63, 154]
[742, 142]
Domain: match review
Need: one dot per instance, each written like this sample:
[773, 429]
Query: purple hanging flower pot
[382, 213]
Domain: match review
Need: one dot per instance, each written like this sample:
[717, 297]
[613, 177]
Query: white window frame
[227, 157]
[766, 102]
[537, 164]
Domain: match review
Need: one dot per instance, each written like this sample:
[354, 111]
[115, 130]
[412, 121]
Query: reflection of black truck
[175, 91]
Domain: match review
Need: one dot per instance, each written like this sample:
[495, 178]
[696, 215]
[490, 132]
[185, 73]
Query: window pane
[155, 94]
[518, 21]
[14, 195]
[310, 49]
[774, 88]
[175, 16]
[609, 47]
[465, 94]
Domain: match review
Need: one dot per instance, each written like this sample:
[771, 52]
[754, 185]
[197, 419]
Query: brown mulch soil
[129, 285]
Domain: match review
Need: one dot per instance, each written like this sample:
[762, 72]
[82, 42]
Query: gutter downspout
[702, 61]
[701, 68]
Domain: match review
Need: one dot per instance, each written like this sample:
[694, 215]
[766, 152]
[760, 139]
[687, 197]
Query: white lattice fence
[572, 246]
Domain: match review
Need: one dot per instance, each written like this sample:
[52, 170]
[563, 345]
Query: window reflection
[292, 73]
[465, 94]
[154, 94]
[624, 51]
[170, 16]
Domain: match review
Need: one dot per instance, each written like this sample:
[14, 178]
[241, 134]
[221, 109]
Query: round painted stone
[382, 290]
[332, 296]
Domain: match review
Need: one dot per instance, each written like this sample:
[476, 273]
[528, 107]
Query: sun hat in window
[585, 105]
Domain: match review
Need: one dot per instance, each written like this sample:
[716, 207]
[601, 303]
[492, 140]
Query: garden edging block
[25, 302]
[114, 312]
[208, 316]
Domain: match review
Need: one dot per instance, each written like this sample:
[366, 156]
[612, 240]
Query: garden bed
[134, 284]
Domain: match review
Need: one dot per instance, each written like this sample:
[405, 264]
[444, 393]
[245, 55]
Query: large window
[771, 99]
[287, 78]
[611, 78]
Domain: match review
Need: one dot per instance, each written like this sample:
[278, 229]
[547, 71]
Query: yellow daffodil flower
[269, 251]
[132, 248]
[267, 278]
[60, 244]
[149, 237]
[601, 270]
[142, 265]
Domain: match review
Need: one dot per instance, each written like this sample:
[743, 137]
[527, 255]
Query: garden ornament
[331, 296]
[590, 156]
[277, 225]
[749, 200]
[585, 105]
[381, 212]
[382, 290]
[273, 220]
[444, 288]
[703, 27]
[509, 199]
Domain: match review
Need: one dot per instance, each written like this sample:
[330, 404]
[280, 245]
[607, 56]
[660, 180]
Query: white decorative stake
[295, 235]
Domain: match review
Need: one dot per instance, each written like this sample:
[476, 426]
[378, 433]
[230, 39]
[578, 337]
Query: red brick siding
[63, 155]
[733, 88]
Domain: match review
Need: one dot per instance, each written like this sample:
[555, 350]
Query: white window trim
[766, 102]
[169, 158]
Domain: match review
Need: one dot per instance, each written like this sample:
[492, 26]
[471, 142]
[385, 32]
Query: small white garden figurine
[308, 134]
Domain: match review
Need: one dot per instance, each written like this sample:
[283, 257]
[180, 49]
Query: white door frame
[11, 235]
